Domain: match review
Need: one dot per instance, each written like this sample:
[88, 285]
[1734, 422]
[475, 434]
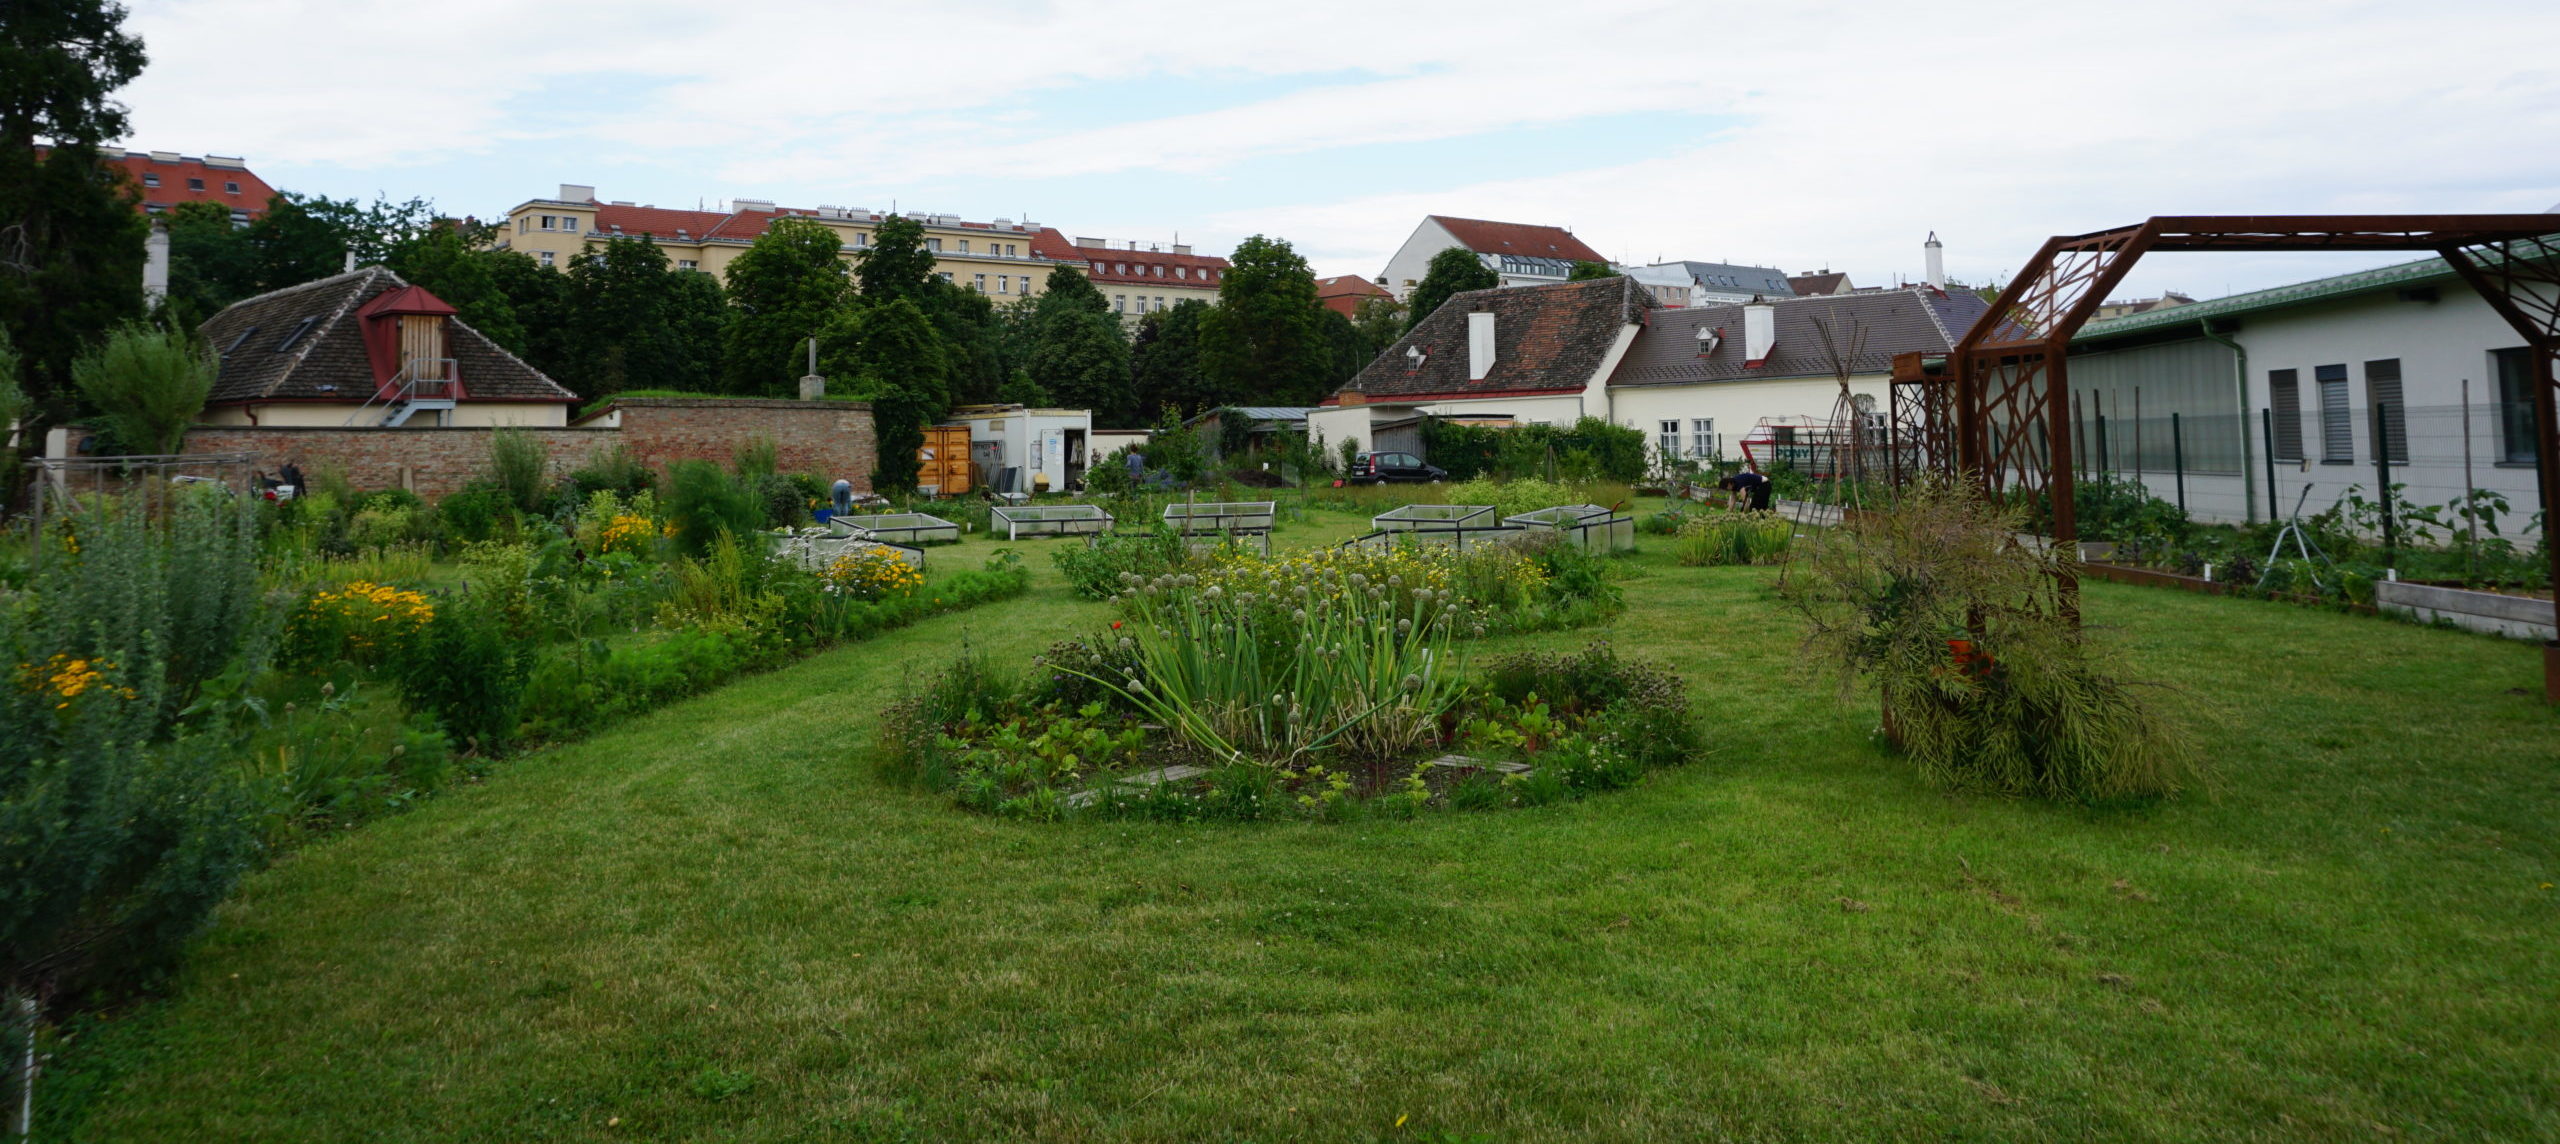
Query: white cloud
[1863, 125]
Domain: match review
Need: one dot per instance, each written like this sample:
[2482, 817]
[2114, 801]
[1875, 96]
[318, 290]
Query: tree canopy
[1586, 271]
[1452, 271]
[785, 288]
[640, 324]
[1078, 355]
[1266, 337]
[1164, 361]
[891, 351]
[896, 264]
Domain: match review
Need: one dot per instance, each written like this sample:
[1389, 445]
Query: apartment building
[1000, 258]
[1138, 281]
[1522, 254]
[167, 178]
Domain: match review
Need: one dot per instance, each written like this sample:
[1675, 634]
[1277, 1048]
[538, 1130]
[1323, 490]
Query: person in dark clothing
[1752, 484]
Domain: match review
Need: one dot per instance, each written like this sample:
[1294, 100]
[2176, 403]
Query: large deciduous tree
[896, 360]
[1164, 361]
[638, 324]
[71, 242]
[1452, 271]
[896, 264]
[451, 262]
[1078, 355]
[783, 290]
[1265, 341]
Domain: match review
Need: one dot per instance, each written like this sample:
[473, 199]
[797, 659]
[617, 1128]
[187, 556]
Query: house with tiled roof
[1344, 294]
[1821, 282]
[1000, 258]
[366, 349]
[1701, 380]
[1506, 356]
[1138, 281]
[1523, 254]
[1711, 282]
[167, 178]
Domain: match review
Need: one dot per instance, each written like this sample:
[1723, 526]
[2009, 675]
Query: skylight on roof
[235, 342]
[299, 329]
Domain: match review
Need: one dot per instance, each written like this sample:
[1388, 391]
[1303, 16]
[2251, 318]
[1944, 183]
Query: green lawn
[715, 924]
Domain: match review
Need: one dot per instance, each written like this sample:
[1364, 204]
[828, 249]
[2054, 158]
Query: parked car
[1380, 468]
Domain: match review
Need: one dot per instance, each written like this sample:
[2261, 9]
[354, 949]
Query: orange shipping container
[943, 461]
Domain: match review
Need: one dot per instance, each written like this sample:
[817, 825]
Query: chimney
[1759, 334]
[155, 263]
[350, 266]
[1479, 345]
[576, 193]
[1937, 256]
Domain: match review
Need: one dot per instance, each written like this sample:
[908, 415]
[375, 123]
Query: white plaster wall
[1414, 257]
[1736, 406]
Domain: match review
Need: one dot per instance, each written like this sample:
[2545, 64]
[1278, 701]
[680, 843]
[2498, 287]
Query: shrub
[872, 574]
[1985, 681]
[1640, 702]
[181, 594]
[361, 622]
[1096, 570]
[518, 466]
[614, 471]
[147, 384]
[704, 503]
[468, 672]
[477, 512]
[1712, 538]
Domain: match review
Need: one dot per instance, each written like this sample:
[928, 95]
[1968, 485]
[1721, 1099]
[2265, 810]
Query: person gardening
[1749, 482]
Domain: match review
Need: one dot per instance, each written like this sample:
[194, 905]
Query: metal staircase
[423, 385]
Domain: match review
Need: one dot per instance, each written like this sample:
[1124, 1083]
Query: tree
[211, 263]
[1346, 351]
[972, 335]
[1381, 323]
[1164, 361]
[1452, 271]
[782, 291]
[896, 264]
[1586, 271]
[539, 298]
[294, 244]
[71, 242]
[897, 362]
[148, 384]
[635, 323]
[450, 262]
[1265, 340]
[1077, 353]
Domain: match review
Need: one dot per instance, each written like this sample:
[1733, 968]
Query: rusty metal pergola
[2000, 410]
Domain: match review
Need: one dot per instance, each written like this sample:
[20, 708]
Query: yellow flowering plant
[872, 574]
[65, 678]
[360, 621]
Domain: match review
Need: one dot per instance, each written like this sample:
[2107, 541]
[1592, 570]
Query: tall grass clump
[1711, 538]
[1985, 682]
[519, 465]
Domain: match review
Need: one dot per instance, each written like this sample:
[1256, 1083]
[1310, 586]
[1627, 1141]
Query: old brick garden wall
[831, 439]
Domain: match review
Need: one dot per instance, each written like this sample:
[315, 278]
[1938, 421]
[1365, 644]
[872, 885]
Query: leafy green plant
[468, 672]
[147, 384]
[1986, 682]
[1712, 538]
[1096, 571]
[519, 466]
[703, 503]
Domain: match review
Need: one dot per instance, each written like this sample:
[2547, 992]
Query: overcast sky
[1785, 133]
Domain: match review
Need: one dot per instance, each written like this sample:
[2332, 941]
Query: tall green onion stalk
[1351, 664]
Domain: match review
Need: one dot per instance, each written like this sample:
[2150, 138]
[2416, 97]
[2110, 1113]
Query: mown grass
[714, 923]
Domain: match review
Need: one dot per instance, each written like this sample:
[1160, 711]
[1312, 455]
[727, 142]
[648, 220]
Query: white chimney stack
[1937, 255]
[155, 264]
[1479, 345]
[1759, 333]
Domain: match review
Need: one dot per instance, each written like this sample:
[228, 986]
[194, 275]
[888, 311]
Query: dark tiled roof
[1892, 322]
[327, 361]
[1551, 337]
[1762, 280]
[1827, 282]
[1519, 238]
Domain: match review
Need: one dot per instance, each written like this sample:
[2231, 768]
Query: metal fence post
[2267, 424]
[2382, 483]
[2178, 458]
[2470, 494]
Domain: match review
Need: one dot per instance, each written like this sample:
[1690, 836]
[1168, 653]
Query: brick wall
[829, 438]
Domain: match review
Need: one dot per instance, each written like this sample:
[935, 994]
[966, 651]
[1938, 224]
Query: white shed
[1027, 442]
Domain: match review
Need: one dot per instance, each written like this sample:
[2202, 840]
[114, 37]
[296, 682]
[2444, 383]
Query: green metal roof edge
[2299, 293]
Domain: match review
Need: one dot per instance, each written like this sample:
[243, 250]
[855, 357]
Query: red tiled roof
[1104, 264]
[1344, 294]
[654, 220]
[1485, 237]
[174, 174]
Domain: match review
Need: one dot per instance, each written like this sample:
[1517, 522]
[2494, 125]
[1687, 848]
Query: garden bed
[903, 527]
[1019, 521]
[1589, 526]
[2518, 617]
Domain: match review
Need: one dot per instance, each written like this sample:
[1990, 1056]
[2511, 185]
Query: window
[295, 335]
[934, 245]
[1159, 270]
[569, 223]
[524, 223]
[944, 275]
[980, 283]
[1119, 303]
[2516, 377]
[2284, 400]
[861, 239]
[688, 264]
[1004, 283]
[1702, 436]
[2382, 389]
[1123, 268]
[235, 342]
[1012, 251]
[195, 184]
[550, 222]
[964, 246]
[2337, 418]
[546, 258]
[1668, 441]
[150, 178]
[230, 188]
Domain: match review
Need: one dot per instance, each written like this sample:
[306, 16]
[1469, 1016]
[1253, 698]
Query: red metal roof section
[1486, 237]
[379, 321]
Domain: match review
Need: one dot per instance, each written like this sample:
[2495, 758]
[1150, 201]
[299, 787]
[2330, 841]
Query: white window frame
[1666, 439]
[569, 224]
[546, 257]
